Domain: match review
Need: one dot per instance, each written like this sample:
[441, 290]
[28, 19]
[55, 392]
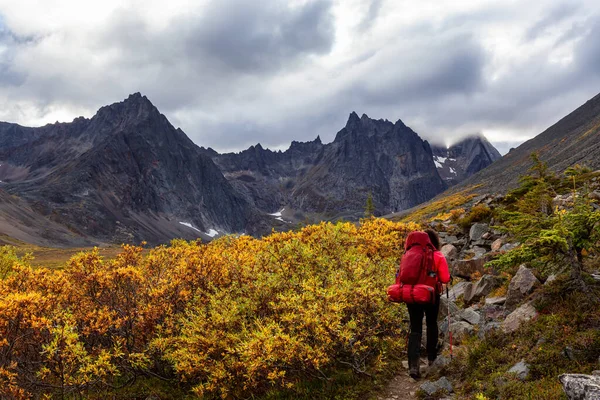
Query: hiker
[416, 311]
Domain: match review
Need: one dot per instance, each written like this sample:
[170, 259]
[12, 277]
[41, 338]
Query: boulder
[465, 268]
[460, 331]
[449, 251]
[495, 301]
[478, 251]
[477, 231]
[521, 370]
[458, 290]
[482, 288]
[487, 328]
[443, 313]
[514, 320]
[438, 387]
[497, 244]
[521, 285]
[494, 312]
[451, 239]
[595, 195]
[471, 316]
[581, 387]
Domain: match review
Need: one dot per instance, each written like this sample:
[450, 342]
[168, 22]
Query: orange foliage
[233, 317]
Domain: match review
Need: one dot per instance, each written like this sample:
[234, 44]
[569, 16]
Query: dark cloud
[435, 70]
[232, 73]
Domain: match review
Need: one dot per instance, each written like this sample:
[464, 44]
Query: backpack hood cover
[417, 237]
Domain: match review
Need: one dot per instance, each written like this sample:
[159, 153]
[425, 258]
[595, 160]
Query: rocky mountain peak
[464, 158]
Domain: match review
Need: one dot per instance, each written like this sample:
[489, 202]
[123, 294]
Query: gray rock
[514, 320]
[451, 239]
[581, 387]
[465, 268]
[595, 195]
[479, 251]
[596, 373]
[460, 331]
[443, 313]
[509, 246]
[458, 290]
[521, 370]
[468, 294]
[572, 354]
[494, 312]
[495, 301]
[449, 251]
[482, 288]
[488, 327]
[521, 285]
[477, 231]
[431, 388]
[497, 244]
[471, 316]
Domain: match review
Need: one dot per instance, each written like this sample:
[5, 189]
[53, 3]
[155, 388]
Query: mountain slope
[465, 158]
[389, 161]
[575, 139]
[126, 174]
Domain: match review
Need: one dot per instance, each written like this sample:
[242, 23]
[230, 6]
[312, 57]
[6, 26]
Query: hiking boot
[413, 368]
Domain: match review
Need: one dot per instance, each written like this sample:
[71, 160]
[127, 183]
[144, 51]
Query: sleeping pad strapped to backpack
[417, 278]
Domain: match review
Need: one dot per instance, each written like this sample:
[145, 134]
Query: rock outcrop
[581, 387]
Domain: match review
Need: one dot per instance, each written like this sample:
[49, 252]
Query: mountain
[575, 139]
[389, 161]
[124, 175]
[127, 175]
[465, 158]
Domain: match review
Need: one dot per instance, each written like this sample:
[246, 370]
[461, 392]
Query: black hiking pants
[416, 311]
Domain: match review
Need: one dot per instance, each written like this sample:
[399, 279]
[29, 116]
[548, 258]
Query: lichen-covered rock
[522, 284]
[521, 370]
[514, 320]
[581, 387]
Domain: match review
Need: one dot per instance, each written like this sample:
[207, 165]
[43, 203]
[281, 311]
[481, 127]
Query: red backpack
[416, 280]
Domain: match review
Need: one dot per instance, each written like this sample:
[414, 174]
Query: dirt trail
[402, 387]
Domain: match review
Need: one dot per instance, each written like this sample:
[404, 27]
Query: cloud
[232, 73]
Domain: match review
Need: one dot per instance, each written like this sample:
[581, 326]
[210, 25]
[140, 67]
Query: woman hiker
[416, 311]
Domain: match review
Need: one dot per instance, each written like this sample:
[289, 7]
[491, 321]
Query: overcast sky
[232, 73]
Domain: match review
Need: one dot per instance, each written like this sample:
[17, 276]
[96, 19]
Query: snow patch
[211, 233]
[452, 171]
[439, 161]
[278, 213]
[190, 226]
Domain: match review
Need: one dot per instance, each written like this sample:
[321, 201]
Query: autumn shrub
[478, 213]
[234, 318]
